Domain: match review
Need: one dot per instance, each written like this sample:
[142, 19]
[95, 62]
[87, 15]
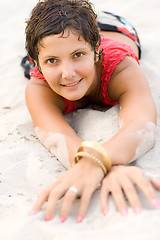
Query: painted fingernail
[62, 219]
[79, 219]
[105, 212]
[155, 202]
[137, 210]
[32, 213]
[124, 212]
[47, 218]
[157, 180]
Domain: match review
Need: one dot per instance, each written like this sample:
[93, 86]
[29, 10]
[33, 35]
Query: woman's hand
[84, 177]
[122, 181]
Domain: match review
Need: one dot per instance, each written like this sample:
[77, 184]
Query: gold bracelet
[79, 155]
[99, 149]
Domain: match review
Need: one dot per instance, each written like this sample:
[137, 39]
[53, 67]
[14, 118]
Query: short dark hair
[54, 16]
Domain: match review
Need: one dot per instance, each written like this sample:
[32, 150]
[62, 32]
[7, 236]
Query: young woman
[77, 65]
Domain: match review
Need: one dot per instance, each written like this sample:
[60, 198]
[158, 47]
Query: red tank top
[113, 53]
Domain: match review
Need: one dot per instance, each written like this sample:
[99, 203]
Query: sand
[26, 166]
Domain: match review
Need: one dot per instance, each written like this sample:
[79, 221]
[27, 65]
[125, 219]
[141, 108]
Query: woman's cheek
[86, 68]
[50, 74]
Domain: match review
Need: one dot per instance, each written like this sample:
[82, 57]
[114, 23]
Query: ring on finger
[73, 189]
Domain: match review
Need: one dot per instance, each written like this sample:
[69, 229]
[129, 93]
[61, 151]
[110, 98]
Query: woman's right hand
[84, 177]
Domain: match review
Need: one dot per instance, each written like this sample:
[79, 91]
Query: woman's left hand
[121, 181]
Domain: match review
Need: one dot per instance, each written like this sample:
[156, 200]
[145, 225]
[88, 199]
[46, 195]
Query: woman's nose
[68, 71]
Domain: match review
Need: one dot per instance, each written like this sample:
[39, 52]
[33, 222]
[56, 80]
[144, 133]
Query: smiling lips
[71, 84]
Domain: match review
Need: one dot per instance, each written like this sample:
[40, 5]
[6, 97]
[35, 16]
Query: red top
[113, 53]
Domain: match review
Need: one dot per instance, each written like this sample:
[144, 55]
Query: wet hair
[55, 16]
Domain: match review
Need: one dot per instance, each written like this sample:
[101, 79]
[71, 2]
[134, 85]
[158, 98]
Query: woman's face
[67, 62]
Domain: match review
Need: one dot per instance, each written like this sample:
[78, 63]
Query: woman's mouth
[71, 84]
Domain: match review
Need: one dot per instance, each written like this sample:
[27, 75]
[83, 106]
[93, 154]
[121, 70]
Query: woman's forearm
[62, 146]
[131, 142]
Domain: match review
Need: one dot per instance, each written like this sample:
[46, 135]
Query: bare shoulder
[39, 90]
[129, 86]
[128, 76]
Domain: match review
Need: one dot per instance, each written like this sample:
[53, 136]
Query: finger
[118, 196]
[147, 189]
[131, 194]
[54, 196]
[155, 182]
[69, 197]
[41, 199]
[84, 203]
[104, 195]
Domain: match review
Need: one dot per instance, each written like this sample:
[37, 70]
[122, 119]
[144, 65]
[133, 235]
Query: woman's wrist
[95, 152]
[87, 163]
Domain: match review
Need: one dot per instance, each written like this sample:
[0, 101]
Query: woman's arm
[137, 113]
[54, 132]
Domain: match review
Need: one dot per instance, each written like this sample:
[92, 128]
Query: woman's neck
[95, 95]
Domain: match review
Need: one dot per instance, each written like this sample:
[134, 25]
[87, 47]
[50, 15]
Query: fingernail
[105, 212]
[32, 213]
[79, 219]
[137, 210]
[47, 218]
[62, 219]
[124, 212]
[155, 202]
[157, 180]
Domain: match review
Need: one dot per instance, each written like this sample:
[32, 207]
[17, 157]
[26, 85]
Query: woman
[77, 65]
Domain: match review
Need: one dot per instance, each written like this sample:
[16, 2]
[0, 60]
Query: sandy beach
[26, 166]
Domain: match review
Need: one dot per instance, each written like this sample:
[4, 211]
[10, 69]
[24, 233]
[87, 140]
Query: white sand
[26, 166]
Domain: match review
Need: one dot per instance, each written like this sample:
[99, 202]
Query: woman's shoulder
[38, 93]
[114, 51]
[108, 45]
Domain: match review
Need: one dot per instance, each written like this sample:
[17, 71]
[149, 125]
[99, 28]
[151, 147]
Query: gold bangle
[99, 149]
[79, 155]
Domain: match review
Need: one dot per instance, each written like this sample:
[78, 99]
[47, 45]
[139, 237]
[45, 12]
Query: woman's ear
[98, 52]
[38, 66]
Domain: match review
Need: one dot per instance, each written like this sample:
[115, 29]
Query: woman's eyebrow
[79, 49]
[75, 51]
[48, 56]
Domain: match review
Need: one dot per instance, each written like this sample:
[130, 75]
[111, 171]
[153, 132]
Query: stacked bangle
[79, 155]
[105, 164]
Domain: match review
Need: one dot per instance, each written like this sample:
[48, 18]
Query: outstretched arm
[137, 113]
[52, 129]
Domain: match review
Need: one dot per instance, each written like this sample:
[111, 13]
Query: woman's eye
[79, 54]
[52, 60]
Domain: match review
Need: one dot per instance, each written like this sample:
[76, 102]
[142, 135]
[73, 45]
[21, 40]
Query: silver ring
[73, 189]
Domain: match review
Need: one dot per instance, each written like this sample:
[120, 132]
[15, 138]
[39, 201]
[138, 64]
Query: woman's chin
[74, 97]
